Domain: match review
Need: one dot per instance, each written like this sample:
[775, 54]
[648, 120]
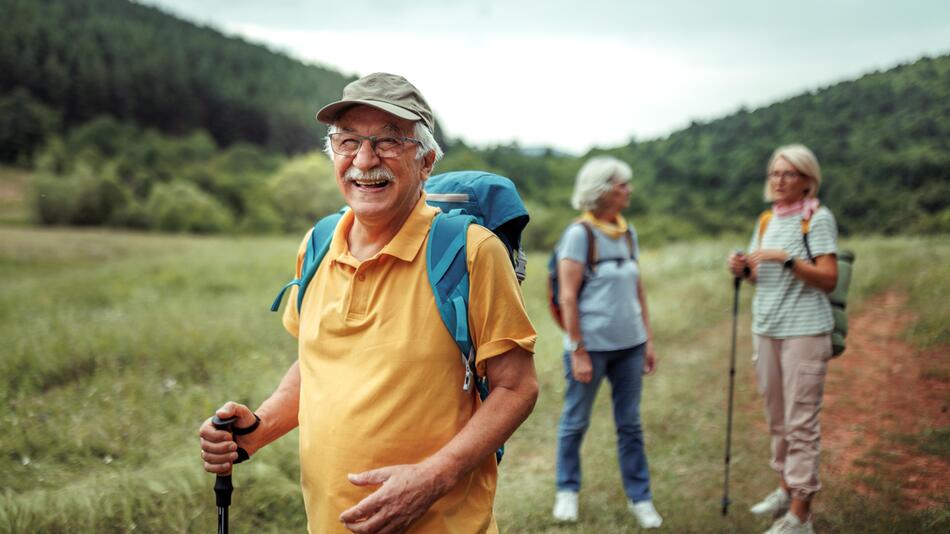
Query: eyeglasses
[785, 175]
[349, 144]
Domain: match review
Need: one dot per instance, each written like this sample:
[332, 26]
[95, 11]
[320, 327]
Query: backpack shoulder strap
[806, 223]
[446, 265]
[763, 223]
[591, 246]
[630, 243]
[317, 247]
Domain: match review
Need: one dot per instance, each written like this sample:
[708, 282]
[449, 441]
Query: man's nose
[366, 157]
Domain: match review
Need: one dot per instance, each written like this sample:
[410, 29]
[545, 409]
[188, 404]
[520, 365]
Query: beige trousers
[791, 378]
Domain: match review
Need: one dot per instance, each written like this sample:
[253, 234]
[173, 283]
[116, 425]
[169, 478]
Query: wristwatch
[789, 262]
[574, 345]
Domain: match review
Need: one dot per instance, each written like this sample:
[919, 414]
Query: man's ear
[428, 161]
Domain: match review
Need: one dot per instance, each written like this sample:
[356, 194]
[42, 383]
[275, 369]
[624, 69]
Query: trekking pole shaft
[222, 520]
[737, 282]
[223, 486]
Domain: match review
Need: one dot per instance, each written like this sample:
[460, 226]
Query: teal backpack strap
[317, 248]
[446, 265]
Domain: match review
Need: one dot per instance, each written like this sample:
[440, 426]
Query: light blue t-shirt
[609, 307]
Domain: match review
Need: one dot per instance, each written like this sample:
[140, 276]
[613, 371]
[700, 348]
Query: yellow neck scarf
[613, 229]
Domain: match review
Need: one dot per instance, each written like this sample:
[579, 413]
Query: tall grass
[116, 346]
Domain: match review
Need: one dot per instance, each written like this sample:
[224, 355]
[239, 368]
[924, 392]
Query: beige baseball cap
[389, 92]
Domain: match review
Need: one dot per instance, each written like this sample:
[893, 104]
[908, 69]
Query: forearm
[279, 412]
[572, 318]
[823, 274]
[644, 312]
[503, 411]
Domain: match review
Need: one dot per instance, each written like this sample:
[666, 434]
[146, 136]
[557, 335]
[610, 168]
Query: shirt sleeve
[573, 244]
[823, 233]
[497, 317]
[291, 318]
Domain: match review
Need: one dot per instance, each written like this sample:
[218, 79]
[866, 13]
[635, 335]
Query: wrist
[575, 345]
[789, 262]
[445, 472]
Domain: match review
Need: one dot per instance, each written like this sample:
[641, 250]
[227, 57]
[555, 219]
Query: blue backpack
[464, 197]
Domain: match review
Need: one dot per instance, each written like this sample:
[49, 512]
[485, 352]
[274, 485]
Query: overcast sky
[573, 75]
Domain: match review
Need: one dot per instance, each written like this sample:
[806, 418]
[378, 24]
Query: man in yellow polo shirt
[389, 440]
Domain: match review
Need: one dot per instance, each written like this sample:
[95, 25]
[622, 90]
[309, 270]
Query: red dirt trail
[879, 389]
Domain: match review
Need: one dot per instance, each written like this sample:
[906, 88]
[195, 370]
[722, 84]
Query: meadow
[115, 346]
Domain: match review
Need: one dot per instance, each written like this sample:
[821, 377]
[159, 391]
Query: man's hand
[218, 450]
[581, 367]
[405, 493]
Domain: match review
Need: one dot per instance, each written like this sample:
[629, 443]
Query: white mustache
[376, 173]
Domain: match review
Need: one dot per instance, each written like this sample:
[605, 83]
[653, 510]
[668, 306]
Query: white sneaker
[646, 514]
[565, 506]
[774, 504]
[790, 524]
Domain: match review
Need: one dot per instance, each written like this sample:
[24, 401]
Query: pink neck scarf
[806, 207]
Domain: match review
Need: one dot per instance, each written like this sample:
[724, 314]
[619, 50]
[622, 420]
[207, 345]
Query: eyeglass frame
[785, 175]
[373, 140]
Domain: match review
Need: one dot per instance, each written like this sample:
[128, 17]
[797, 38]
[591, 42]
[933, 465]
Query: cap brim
[330, 112]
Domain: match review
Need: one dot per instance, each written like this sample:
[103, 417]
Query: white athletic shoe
[790, 524]
[774, 504]
[565, 506]
[646, 514]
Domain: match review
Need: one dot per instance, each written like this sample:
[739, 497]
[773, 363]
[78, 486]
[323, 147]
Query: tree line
[134, 118]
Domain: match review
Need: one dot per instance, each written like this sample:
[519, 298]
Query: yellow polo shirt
[381, 377]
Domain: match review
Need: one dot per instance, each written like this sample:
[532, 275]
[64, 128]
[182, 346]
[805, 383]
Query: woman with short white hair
[607, 333]
[793, 265]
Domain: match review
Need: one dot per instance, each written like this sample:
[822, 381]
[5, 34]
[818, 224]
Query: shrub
[182, 207]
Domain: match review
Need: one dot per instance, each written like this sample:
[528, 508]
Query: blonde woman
[792, 323]
[607, 335]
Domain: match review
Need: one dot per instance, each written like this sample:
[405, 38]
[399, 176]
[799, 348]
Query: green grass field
[116, 346]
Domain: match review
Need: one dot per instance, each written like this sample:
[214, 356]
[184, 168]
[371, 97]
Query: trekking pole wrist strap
[247, 430]
[242, 456]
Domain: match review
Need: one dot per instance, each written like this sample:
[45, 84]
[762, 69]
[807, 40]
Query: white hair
[421, 132]
[804, 161]
[594, 181]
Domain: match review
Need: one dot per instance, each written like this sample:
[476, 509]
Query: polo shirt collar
[405, 245]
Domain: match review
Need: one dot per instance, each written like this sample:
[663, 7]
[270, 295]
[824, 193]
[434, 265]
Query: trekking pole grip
[222, 485]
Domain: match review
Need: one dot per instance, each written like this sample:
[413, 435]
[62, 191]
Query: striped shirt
[783, 305]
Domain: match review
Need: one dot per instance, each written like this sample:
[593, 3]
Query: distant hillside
[68, 61]
[883, 141]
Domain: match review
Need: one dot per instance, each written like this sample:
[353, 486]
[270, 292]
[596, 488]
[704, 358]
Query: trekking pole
[732, 379]
[222, 484]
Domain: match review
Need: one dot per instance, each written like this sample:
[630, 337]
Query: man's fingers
[362, 511]
[218, 469]
[218, 458]
[218, 447]
[374, 477]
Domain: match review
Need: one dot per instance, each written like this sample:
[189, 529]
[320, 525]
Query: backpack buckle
[469, 375]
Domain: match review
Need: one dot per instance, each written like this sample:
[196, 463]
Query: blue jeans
[624, 369]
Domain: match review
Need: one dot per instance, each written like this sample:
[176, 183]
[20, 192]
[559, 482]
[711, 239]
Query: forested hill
[78, 59]
[883, 141]
[131, 117]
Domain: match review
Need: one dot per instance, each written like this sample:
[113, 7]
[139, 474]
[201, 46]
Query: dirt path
[880, 396]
